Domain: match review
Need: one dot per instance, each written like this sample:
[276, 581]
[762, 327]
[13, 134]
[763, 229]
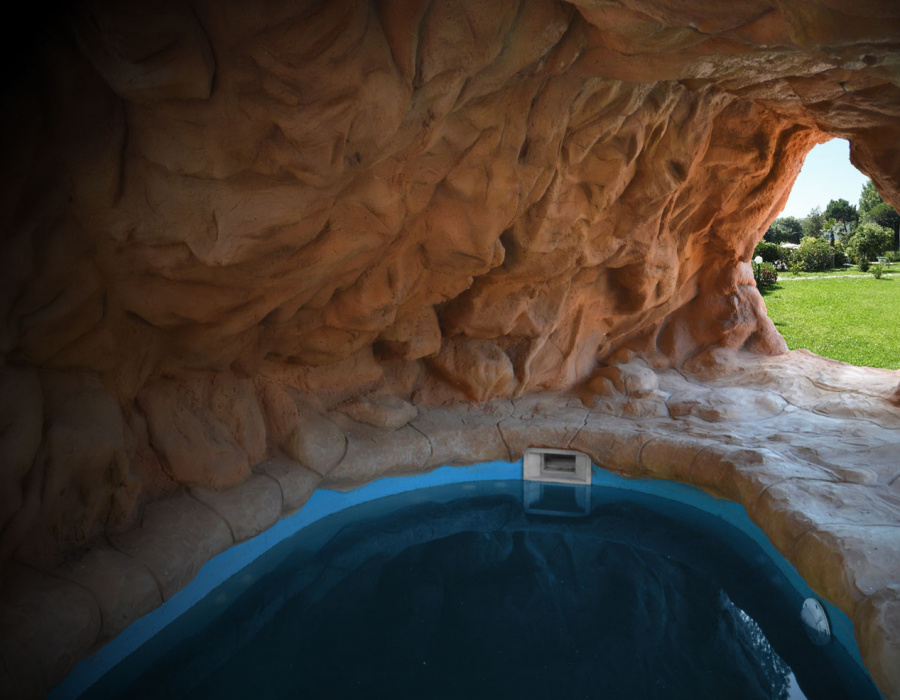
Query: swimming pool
[445, 585]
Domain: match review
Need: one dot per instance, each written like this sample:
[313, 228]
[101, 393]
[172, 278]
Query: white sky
[826, 174]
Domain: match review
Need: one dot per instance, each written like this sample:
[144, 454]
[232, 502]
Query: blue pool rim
[325, 502]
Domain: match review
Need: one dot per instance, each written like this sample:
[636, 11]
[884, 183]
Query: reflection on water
[533, 614]
[471, 598]
[794, 692]
[781, 681]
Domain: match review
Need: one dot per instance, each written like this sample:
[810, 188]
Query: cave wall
[222, 220]
[436, 200]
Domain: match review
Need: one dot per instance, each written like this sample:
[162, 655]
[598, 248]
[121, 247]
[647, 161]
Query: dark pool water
[457, 592]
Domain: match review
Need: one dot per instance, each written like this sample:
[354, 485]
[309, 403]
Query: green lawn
[853, 320]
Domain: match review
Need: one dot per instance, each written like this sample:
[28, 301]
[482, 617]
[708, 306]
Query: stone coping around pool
[808, 448]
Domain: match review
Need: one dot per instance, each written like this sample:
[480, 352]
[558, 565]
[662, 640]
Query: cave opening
[834, 231]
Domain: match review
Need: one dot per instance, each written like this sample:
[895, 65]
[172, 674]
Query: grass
[855, 320]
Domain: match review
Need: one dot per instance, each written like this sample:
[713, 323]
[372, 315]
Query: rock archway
[254, 247]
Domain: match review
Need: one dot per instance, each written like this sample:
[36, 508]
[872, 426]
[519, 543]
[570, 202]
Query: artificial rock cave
[252, 248]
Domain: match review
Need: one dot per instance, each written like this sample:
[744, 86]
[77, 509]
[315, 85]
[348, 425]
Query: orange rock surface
[238, 231]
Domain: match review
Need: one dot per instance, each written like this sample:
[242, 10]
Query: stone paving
[832, 277]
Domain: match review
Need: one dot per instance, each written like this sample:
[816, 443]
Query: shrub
[840, 257]
[769, 252]
[893, 256]
[765, 275]
[869, 241]
[877, 271]
[813, 254]
[863, 264]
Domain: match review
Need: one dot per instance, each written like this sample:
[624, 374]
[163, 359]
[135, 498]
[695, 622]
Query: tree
[838, 230]
[841, 211]
[885, 215]
[873, 208]
[812, 224]
[869, 241]
[784, 230]
[868, 198]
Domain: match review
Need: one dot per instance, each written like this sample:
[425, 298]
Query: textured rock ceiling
[222, 220]
[507, 191]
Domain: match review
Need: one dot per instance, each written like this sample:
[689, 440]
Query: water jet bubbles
[815, 622]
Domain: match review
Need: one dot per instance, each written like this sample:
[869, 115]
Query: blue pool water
[444, 586]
